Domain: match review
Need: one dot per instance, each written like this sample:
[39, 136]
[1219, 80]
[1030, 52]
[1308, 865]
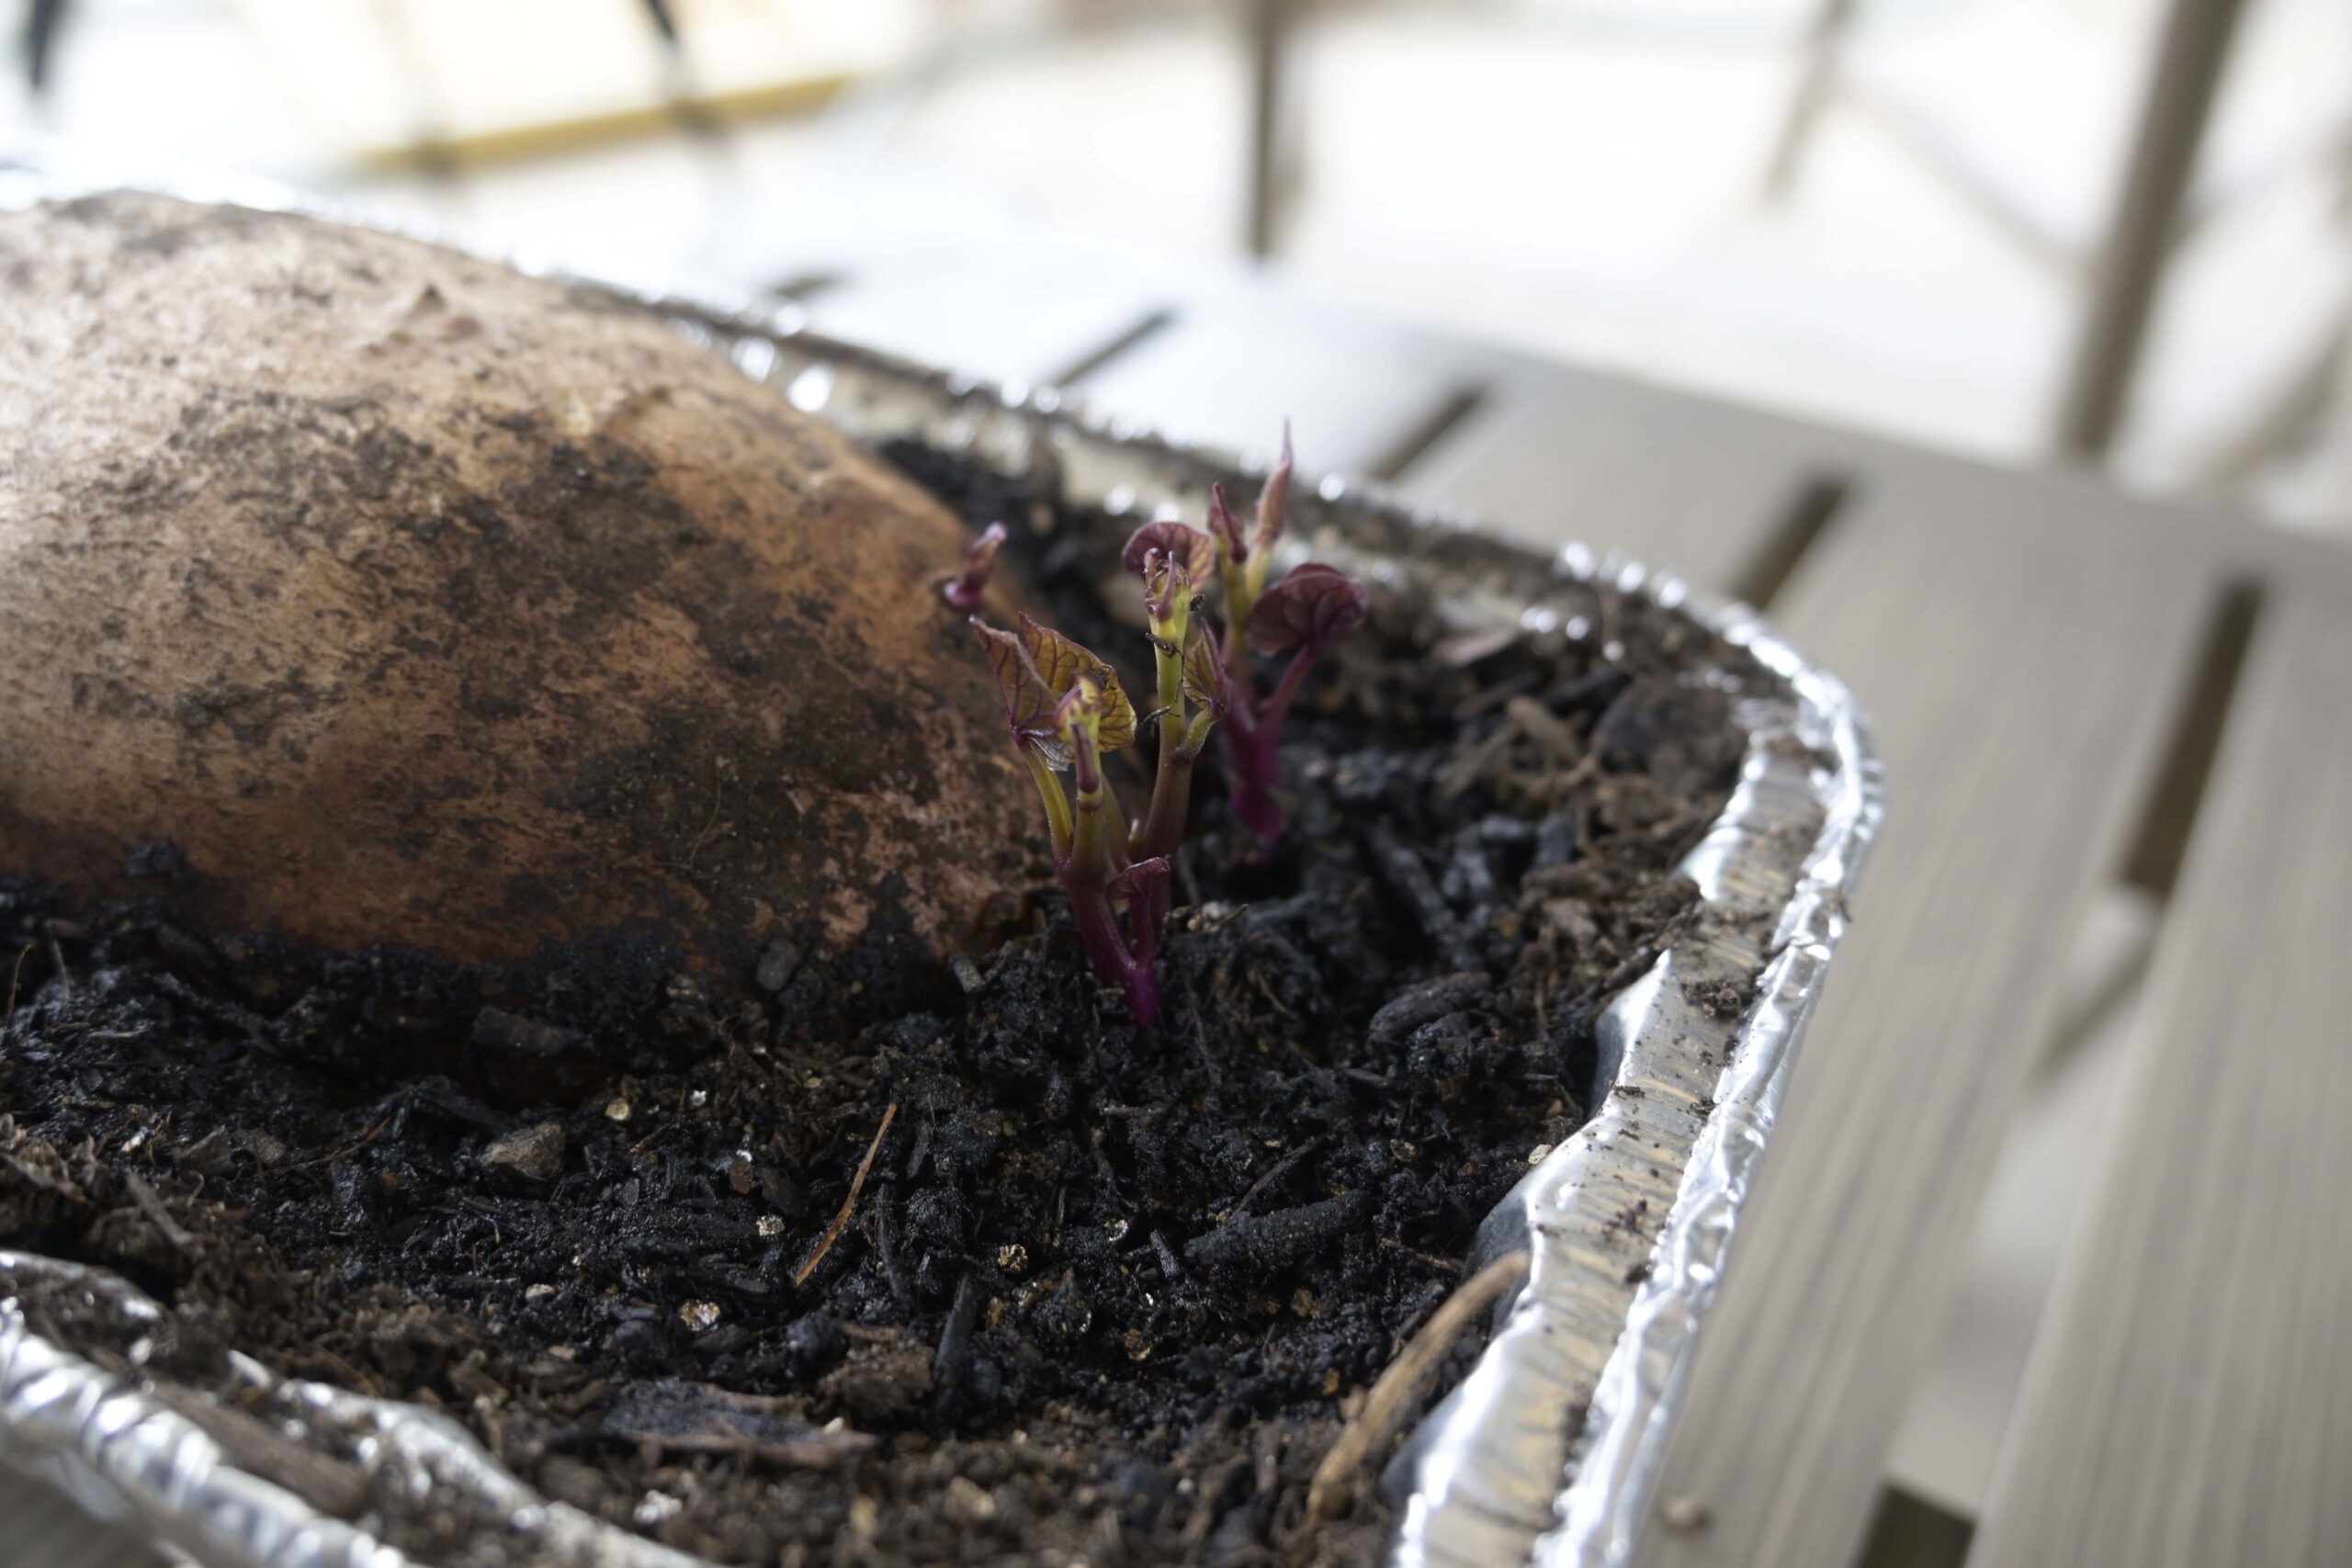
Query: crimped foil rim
[1504, 1470]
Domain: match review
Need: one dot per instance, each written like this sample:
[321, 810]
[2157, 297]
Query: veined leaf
[1310, 609]
[1204, 675]
[1034, 670]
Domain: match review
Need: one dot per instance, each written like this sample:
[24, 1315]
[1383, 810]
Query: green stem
[1058, 822]
[1162, 829]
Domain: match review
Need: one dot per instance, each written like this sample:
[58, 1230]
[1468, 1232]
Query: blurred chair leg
[42, 18]
[2130, 266]
[1817, 78]
[1270, 24]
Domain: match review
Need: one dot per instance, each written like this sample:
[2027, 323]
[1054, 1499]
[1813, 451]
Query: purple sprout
[1171, 560]
[1301, 615]
[1064, 709]
[966, 591]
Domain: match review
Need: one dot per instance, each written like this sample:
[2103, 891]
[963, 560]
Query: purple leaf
[1274, 502]
[1227, 527]
[1141, 882]
[1207, 683]
[1309, 609]
[1035, 669]
[980, 563]
[1190, 548]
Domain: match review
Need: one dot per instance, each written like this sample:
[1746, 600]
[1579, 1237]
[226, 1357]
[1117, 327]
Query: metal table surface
[2068, 685]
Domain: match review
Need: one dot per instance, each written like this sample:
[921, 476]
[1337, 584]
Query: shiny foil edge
[126, 1455]
[1629, 1222]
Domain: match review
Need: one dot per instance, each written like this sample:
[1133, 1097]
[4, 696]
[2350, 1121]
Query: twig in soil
[1427, 1260]
[1268, 992]
[1275, 1172]
[1169, 1268]
[16, 974]
[886, 1243]
[1588, 768]
[667, 1416]
[636, 1149]
[181, 1240]
[256, 1446]
[849, 1205]
[1547, 729]
[1473, 764]
[1200, 1028]
[1192, 884]
[954, 1352]
[219, 1011]
[1628, 970]
[921, 1149]
[1217, 1493]
[57, 956]
[1398, 1387]
[366, 1138]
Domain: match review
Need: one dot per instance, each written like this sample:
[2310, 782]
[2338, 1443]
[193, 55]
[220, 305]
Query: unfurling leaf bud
[1078, 720]
[967, 591]
[1207, 685]
[1274, 502]
[1170, 558]
[1225, 527]
[1141, 882]
[1184, 546]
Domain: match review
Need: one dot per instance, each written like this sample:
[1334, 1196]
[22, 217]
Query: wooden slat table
[2032, 648]
[2021, 649]
[2202, 1332]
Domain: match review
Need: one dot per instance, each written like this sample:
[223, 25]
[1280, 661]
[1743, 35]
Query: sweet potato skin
[412, 600]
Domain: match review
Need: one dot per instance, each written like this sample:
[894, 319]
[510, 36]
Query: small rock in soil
[155, 857]
[524, 1061]
[880, 1385]
[778, 964]
[531, 1156]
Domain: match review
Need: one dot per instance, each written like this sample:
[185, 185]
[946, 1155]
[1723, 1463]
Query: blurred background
[1912, 216]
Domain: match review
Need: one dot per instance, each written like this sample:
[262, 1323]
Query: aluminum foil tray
[1548, 1451]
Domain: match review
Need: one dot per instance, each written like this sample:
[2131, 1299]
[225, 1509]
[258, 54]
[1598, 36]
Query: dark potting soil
[1102, 1295]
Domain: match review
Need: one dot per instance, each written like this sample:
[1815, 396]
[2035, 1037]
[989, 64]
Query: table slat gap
[2184, 1400]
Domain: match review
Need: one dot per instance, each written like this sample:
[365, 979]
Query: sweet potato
[380, 594]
